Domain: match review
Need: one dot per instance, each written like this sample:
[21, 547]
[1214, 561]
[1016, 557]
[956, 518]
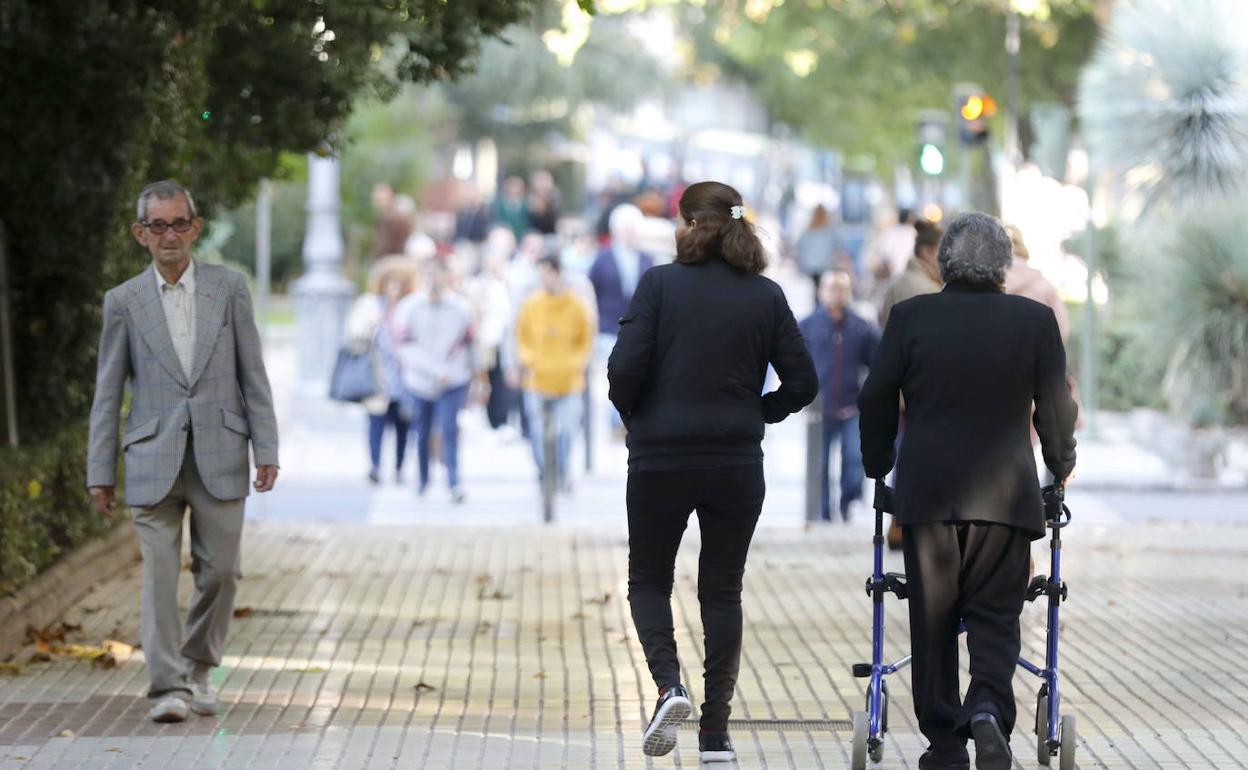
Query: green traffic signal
[931, 160]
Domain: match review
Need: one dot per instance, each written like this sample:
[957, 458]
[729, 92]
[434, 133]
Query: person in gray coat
[183, 335]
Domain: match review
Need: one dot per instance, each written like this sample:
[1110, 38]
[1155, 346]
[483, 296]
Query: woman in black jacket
[687, 376]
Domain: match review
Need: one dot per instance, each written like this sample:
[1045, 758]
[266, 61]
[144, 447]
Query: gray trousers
[216, 532]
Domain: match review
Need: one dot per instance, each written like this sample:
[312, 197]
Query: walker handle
[883, 497]
[1056, 514]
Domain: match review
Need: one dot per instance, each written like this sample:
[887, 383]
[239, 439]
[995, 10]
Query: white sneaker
[673, 708]
[171, 708]
[204, 700]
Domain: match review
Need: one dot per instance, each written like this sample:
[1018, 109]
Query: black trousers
[728, 502]
[975, 573]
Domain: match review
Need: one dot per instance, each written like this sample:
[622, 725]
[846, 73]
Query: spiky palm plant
[1164, 100]
[1195, 290]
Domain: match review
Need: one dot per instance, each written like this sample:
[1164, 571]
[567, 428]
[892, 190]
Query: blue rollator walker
[870, 725]
[1055, 736]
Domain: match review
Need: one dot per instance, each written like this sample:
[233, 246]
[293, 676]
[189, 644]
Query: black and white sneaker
[673, 708]
[715, 747]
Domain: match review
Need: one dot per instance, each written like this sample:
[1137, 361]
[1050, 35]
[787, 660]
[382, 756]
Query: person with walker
[971, 363]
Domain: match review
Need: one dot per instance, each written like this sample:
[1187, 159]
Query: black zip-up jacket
[688, 369]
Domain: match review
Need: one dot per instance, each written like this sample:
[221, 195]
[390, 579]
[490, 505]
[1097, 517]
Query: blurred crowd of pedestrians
[516, 308]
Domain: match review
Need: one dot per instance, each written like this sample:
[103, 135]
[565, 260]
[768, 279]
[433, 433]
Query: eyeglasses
[160, 226]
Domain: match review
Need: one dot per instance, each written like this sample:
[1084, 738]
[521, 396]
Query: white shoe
[171, 708]
[673, 708]
[204, 700]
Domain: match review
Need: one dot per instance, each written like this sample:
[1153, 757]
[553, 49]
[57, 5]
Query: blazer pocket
[235, 423]
[140, 432]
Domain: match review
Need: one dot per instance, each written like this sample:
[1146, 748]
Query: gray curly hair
[976, 249]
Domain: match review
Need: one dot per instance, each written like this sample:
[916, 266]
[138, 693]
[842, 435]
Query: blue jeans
[845, 431]
[567, 417]
[444, 413]
[377, 423]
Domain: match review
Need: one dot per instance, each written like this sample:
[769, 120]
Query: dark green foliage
[44, 509]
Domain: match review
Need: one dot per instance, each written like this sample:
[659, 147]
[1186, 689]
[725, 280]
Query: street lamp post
[321, 296]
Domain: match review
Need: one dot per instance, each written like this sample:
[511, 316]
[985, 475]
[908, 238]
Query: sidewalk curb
[1152, 488]
[46, 598]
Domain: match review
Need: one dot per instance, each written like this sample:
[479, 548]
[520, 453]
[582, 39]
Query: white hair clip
[738, 212]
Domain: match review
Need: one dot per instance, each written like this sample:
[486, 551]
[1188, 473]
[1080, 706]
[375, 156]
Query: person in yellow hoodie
[554, 338]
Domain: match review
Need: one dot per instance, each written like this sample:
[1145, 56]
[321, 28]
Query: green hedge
[45, 510]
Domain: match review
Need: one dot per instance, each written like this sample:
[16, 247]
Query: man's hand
[266, 477]
[104, 500]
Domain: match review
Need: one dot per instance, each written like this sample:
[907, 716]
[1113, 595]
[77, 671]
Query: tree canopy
[852, 74]
[103, 95]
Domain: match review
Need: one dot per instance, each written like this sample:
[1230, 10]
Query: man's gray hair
[975, 249]
[165, 189]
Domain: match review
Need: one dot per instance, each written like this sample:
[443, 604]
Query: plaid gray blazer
[225, 402]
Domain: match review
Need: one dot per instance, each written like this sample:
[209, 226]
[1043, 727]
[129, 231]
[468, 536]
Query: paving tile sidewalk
[511, 647]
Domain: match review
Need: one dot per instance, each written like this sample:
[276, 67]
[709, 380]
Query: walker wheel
[884, 699]
[1066, 755]
[862, 731]
[1042, 730]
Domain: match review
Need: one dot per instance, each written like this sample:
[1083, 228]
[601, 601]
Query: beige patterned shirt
[179, 303]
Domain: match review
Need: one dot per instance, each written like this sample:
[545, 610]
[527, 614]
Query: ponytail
[718, 232]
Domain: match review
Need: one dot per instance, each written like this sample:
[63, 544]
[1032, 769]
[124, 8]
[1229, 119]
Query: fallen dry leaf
[39, 656]
[66, 734]
[82, 651]
[46, 635]
[540, 675]
[422, 687]
[10, 669]
[242, 612]
[600, 600]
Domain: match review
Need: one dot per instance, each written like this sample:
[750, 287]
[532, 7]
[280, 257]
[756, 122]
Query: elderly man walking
[841, 344]
[971, 362]
[184, 337]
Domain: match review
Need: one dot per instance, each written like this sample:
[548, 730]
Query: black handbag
[354, 377]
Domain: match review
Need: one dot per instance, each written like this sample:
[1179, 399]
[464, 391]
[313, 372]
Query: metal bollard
[550, 464]
[815, 462]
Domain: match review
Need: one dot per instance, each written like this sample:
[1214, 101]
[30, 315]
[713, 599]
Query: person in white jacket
[371, 326]
[435, 332]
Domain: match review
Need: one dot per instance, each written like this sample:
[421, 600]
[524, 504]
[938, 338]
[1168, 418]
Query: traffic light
[974, 110]
[932, 131]
[931, 160]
